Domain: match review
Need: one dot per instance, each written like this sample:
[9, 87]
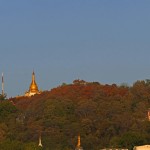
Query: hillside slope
[104, 115]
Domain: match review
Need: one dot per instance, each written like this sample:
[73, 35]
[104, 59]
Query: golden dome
[33, 86]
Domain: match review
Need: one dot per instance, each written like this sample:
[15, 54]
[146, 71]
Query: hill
[104, 115]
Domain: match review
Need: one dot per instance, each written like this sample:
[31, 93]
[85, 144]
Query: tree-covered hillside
[104, 116]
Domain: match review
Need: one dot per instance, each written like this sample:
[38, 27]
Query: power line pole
[2, 84]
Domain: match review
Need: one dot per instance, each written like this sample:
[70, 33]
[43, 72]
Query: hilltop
[104, 115]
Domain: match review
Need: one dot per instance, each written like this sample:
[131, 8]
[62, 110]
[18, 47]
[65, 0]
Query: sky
[106, 41]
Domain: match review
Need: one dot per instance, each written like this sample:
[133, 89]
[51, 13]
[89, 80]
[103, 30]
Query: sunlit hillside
[103, 115]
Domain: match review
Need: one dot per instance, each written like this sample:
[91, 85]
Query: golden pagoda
[78, 147]
[33, 89]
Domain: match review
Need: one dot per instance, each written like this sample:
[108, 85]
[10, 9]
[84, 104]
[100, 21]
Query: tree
[3, 97]
[131, 139]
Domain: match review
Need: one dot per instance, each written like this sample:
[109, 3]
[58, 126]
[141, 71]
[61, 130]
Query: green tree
[3, 97]
[131, 139]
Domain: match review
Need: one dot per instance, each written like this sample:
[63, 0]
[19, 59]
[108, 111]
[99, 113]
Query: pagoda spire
[78, 147]
[79, 141]
[148, 113]
[33, 76]
[40, 141]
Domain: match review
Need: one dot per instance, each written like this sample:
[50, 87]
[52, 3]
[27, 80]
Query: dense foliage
[104, 115]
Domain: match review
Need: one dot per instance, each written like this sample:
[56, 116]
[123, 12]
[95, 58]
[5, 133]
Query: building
[114, 149]
[33, 89]
[143, 147]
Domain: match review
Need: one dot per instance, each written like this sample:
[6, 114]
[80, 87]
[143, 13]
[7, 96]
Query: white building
[143, 147]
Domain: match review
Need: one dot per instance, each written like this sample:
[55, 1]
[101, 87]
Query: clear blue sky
[95, 40]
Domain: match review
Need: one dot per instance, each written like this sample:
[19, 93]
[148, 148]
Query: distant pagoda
[33, 89]
[78, 147]
[40, 141]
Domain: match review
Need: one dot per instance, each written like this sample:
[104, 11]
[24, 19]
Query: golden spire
[79, 141]
[33, 85]
[78, 147]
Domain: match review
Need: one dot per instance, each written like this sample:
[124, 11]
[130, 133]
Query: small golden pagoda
[33, 89]
[78, 147]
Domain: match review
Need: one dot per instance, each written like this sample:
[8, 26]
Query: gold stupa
[33, 89]
[33, 86]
